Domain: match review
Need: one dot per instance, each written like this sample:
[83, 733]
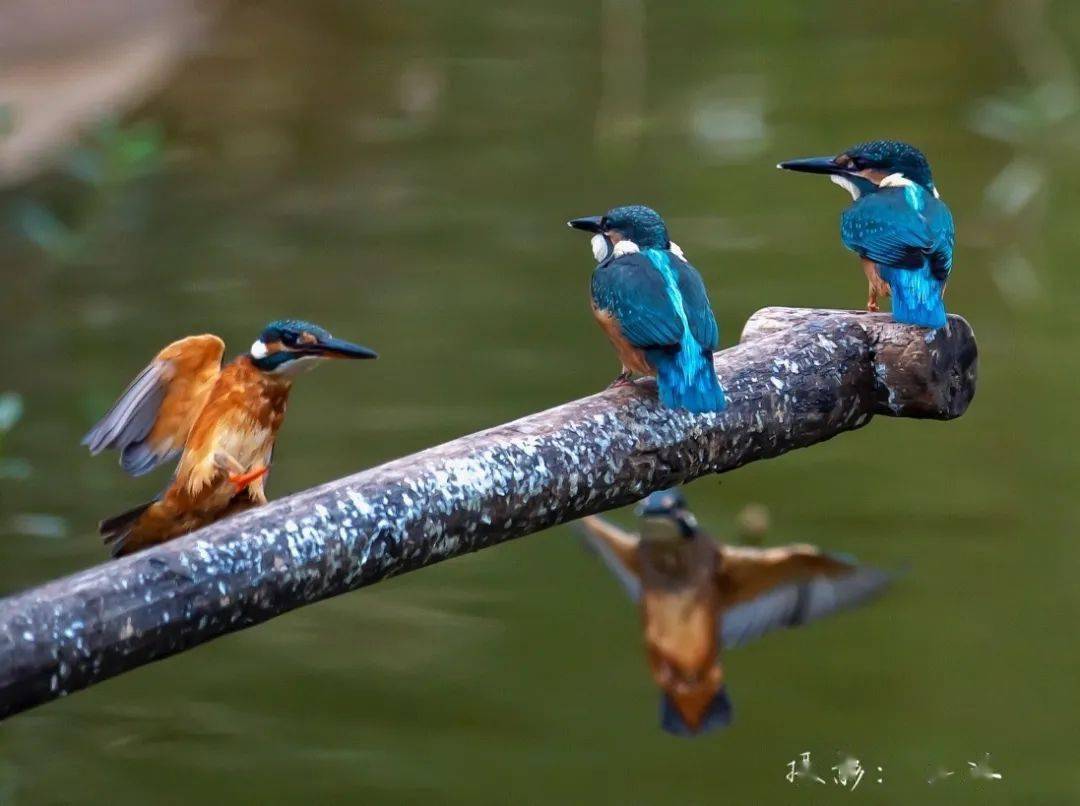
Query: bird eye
[288, 339]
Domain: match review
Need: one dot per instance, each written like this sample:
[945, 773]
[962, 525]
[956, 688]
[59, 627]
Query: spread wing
[800, 600]
[745, 573]
[615, 548]
[799, 603]
[884, 228]
[150, 421]
[632, 289]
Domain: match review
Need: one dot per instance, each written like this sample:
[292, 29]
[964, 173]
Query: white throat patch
[292, 368]
[913, 193]
[675, 250]
[258, 350]
[625, 248]
[847, 185]
[600, 247]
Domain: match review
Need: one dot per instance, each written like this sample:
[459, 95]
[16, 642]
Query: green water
[401, 173]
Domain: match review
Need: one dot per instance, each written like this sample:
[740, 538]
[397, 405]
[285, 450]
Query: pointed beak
[339, 348]
[813, 165]
[590, 223]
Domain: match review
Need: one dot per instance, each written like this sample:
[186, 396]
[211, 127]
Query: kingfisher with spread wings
[897, 224]
[697, 595]
[221, 421]
[653, 306]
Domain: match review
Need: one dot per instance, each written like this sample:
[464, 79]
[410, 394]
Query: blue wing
[885, 228]
[696, 304]
[633, 291]
[939, 218]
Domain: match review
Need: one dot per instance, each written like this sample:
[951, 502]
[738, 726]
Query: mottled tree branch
[798, 377]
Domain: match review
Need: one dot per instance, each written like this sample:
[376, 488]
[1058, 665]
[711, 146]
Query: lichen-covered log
[798, 377]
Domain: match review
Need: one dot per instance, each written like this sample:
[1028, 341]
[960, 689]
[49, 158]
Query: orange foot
[241, 480]
[622, 379]
[872, 306]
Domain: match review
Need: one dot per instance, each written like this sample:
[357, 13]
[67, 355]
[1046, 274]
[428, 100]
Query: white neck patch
[915, 199]
[625, 248]
[675, 250]
[847, 185]
[258, 350]
[896, 180]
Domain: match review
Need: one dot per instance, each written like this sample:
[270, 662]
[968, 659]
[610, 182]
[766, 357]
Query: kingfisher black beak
[813, 165]
[339, 348]
[590, 223]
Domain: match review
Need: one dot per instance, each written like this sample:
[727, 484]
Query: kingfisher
[221, 421]
[897, 224]
[697, 595]
[653, 306]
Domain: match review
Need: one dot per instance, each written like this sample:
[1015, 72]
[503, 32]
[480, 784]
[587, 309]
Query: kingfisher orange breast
[631, 357]
[241, 418]
[681, 627]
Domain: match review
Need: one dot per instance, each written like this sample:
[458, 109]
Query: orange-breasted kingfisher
[653, 306]
[220, 420]
[897, 224]
[697, 595]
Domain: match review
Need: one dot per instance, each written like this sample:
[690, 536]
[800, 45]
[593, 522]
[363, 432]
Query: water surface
[401, 173]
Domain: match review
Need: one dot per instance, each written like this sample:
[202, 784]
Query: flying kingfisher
[220, 420]
[653, 306]
[897, 224]
[697, 595]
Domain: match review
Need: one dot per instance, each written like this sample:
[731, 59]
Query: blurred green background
[401, 172]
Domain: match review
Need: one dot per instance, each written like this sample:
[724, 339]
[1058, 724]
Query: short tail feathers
[116, 532]
[686, 380]
[916, 296]
[718, 715]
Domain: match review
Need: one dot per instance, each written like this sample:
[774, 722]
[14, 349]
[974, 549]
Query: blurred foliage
[37, 524]
[11, 410]
[105, 169]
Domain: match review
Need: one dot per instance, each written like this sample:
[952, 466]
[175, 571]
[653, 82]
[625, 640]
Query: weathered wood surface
[798, 377]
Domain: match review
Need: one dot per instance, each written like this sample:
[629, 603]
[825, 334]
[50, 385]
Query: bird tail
[717, 715]
[687, 380]
[916, 296]
[117, 532]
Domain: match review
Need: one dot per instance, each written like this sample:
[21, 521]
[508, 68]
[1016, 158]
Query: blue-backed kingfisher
[897, 224]
[653, 306]
[697, 595]
[220, 420]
